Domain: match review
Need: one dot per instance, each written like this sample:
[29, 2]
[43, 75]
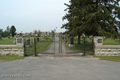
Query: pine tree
[93, 17]
[12, 30]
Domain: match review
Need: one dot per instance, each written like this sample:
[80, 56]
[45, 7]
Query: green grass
[40, 47]
[9, 57]
[7, 41]
[110, 42]
[109, 58]
[80, 48]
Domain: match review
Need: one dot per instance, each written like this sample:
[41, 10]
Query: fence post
[35, 46]
[84, 47]
[54, 44]
[24, 48]
[59, 43]
[92, 44]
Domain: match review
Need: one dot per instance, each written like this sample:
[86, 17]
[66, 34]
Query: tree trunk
[79, 40]
[92, 44]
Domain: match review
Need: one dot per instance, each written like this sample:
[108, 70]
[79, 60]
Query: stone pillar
[19, 41]
[98, 41]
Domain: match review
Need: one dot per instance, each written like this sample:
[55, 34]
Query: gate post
[61, 42]
[35, 46]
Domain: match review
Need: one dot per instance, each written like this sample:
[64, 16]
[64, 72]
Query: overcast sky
[29, 15]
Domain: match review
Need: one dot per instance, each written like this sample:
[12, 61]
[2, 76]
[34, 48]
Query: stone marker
[8, 37]
[37, 39]
[28, 41]
[14, 42]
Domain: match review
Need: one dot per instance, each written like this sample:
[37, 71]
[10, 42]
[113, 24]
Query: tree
[93, 17]
[53, 33]
[7, 32]
[1, 32]
[71, 26]
[39, 33]
[13, 30]
[35, 31]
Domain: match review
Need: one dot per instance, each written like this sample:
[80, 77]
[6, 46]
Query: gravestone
[8, 37]
[71, 40]
[37, 39]
[14, 42]
[28, 41]
[0, 37]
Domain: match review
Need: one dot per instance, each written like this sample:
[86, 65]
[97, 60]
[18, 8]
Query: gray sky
[29, 15]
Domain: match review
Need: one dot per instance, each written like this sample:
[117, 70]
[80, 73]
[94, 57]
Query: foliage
[1, 32]
[35, 31]
[92, 17]
[13, 30]
[39, 33]
[5, 33]
[53, 33]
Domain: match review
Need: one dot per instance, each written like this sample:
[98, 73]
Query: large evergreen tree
[93, 17]
[12, 30]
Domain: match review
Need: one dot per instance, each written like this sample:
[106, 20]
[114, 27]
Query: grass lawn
[110, 42]
[110, 58]
[5, 41]
[9, 58]
[40, 47]
[80, 48]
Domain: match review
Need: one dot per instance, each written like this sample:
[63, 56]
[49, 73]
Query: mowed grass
[40, 47]
[80, 48]
[5, 41]
[110, 41]
[109, 58]
[9, 57]
[89, 50]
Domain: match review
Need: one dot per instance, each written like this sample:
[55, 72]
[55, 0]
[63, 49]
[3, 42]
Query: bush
[46, 38]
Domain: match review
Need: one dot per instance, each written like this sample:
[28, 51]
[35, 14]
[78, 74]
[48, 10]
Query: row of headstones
[28, 41]
[6, 37]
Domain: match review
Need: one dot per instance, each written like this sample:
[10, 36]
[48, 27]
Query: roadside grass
[5, 41]
[9, 57]
[109, 58]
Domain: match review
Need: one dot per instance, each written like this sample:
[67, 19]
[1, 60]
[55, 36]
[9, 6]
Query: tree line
[10, 31]
[92, 17]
